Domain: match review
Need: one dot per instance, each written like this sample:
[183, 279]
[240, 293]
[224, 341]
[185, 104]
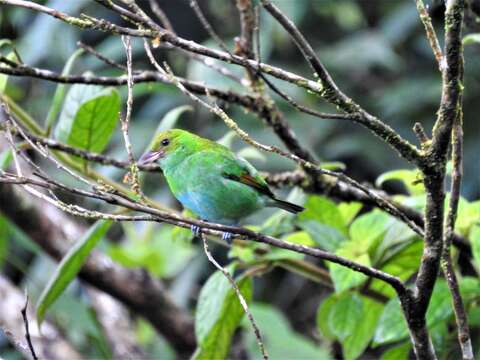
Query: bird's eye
[165, 142]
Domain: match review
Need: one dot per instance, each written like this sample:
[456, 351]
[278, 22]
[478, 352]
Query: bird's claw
[196, 230]
[226, 236]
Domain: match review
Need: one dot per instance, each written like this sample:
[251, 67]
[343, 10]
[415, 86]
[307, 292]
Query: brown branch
[27, 328]
[50, 228]
[49, 345]
[464, 338]
[239, 295]
[433, 167]
[430, 32]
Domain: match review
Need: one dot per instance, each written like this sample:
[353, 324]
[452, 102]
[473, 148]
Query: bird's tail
[285, 205]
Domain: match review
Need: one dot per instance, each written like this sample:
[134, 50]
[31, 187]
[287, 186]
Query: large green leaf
[343, 277]
[345, 315]
[88, 118]
[70, 266]
[172, 117]
[410, 178]
[357, 341]
[60, 92]
[218, 315]
[351, 319]
[324, 211]
[367, 230]
[471, 39]
[392, 326]
[281, 341]
[475, 240]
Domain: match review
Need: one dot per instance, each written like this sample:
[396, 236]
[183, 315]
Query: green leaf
[343, 277]
[88, 118]
[60, 92]
[403, 263]
[351, 319]
[471, 39]
[392, 326]
[4, 239]
[4, 77]
[281, 341]
[367, 230]
[349, 210]
[475, 240]
[6, 158]
[468, 215]
[323, 314]
[357, 341]
[70, 266]
[410, 178]
[400, 352]
[345, 315]
[324, 211]
[326, 237]
[218, 315]
[172, 117]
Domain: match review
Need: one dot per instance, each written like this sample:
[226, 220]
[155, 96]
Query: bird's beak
[150, 157]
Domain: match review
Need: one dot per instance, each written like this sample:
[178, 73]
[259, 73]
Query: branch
[447, 264]
[49, 345]
[50, 228]
[27, 328]
[431, 35]
[330, 91]
[239, 295]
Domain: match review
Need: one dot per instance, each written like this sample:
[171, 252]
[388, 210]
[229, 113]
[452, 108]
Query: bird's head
[170, 147]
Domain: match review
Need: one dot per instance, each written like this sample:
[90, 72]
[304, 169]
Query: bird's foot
[226, 236]
[196, 230]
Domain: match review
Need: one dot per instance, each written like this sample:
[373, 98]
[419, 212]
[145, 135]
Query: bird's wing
[243, 172]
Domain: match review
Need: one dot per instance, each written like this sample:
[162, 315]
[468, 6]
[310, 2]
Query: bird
[210, 180]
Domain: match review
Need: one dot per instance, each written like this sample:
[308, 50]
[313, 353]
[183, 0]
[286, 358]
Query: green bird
[210, 180]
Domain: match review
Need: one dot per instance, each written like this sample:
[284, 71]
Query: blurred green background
[375, 50]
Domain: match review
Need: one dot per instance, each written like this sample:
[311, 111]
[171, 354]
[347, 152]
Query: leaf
[70, 266]
[402, 264]
[4, 77]
[410, 178]
[367, 230]
[6, 158]
[471, 39]
[218, 315]
[357, 341]
[281, 341]
[475, 240]
[345, 315]
[171, 118]
[468, 215]
[326, 237]
[250, 153]
[324, 211]
[343, 277]
[4, 239]
[349, 210]
[400, 352]
[60, 92]
[349, 318]
[323, 314]
[392, 326]
[88, 118]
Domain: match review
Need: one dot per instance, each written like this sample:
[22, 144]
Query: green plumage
[209, 179]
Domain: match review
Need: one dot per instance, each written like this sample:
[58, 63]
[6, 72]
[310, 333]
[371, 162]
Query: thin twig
[134, 181]
[239, 295]
[27, 331]
[464, 338]
[431, 35]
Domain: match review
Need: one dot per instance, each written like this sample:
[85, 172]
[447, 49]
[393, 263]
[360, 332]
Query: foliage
[361, 314]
